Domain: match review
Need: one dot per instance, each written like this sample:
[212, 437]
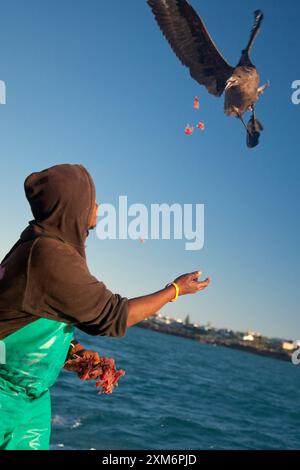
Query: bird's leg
[257, 124]
[252, 138]
[254, 128]
[240, 116]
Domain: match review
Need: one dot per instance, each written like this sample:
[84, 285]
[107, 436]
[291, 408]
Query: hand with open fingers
[189, 284]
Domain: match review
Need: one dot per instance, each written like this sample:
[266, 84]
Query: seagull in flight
[191, 42]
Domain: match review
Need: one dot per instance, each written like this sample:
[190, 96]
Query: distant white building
[248, 338]
[288, 345]
[255, 334]
[251, 335]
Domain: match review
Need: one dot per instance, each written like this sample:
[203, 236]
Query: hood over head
[62, 200]
[45, 274]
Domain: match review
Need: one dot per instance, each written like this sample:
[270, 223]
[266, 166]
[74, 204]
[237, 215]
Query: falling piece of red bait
[196, 102]
[201, 126]
[188, 130]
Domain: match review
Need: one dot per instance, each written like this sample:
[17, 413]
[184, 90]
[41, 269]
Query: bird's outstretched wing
[192, 44]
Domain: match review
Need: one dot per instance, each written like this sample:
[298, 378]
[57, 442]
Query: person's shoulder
[47, 249]
[52, 258]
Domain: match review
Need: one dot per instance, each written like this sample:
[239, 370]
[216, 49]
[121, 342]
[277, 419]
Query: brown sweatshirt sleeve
[60, 287]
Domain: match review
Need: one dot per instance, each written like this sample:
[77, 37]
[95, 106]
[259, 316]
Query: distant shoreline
[258, 349]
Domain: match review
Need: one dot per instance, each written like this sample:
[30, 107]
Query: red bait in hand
[104, 372]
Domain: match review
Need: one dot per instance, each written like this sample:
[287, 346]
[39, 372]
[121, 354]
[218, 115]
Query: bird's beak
[230, 82]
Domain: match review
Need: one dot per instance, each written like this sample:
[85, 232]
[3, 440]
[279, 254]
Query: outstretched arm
[143, 307]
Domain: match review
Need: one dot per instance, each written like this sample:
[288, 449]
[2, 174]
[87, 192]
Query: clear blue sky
[95, 82]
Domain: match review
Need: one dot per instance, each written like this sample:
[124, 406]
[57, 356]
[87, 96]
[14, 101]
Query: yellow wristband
[176, 289]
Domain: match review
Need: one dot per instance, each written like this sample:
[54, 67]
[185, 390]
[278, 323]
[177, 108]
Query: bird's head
[241, 74]
[232, 81]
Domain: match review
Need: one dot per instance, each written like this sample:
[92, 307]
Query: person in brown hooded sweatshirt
[46, 289]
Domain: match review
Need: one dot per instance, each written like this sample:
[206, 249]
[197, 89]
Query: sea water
[179, 394]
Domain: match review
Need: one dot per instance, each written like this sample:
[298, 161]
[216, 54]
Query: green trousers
[35, 356]
[25, 425]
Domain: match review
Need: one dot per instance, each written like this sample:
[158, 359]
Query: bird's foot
[263, 88]
[254, 128]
